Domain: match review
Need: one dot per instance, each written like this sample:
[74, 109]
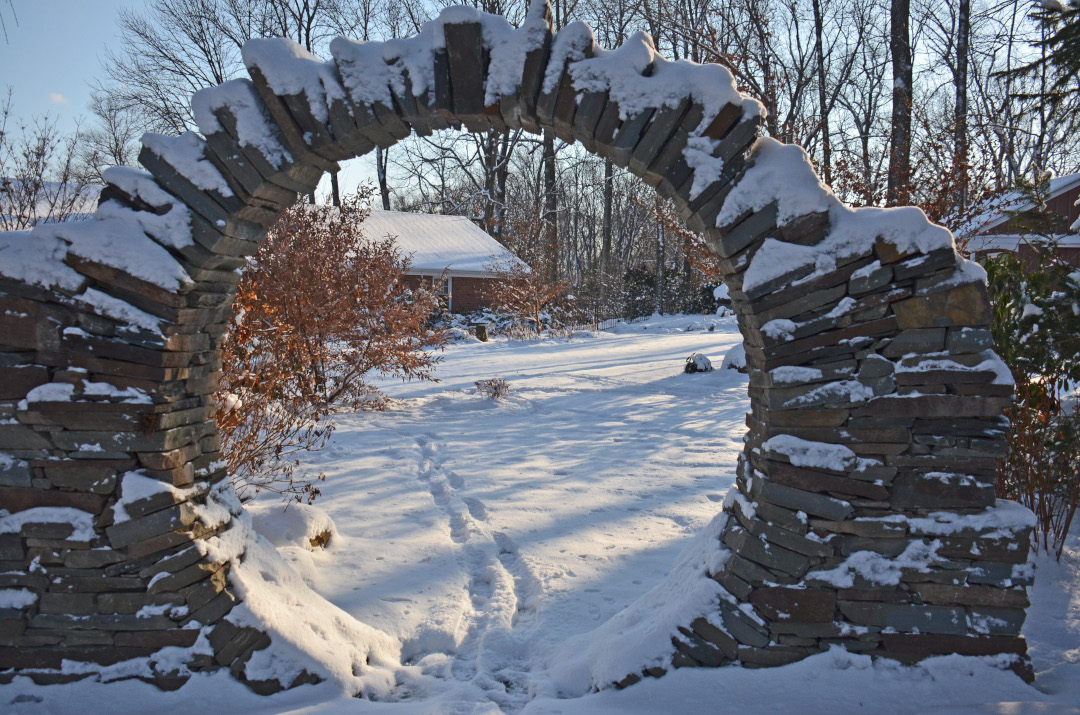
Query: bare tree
[112, 140]
[40, 179]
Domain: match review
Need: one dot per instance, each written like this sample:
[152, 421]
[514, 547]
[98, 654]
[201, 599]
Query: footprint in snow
[505, 543]
[476, 509]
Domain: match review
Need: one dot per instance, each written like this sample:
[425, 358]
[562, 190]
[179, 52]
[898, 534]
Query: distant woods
[897, 101]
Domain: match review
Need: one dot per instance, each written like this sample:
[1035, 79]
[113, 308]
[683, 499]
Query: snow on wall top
[568, 46]
[289, 69]
[783, 174]
[619, 71]
[115, 236]
[253, 125]
[436, 243]
[368, 69]
[186, 153]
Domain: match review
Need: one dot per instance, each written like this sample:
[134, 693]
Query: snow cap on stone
[289, 69]
[254, 127]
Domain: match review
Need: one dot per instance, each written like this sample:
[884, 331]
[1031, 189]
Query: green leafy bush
[1037, 333]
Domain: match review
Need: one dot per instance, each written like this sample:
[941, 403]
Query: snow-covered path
[488, 531]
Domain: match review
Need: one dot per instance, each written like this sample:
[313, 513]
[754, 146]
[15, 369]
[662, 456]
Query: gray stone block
[171, 519]
[996, 621]
[742, 627]
[716, 637]
[799, 500]
[907, 618]
[466, 62]
[968, 340]
[660, 131]
[768, 555]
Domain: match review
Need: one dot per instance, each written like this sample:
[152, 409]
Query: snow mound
[17, 598]
[781, 173]
[735, 358]
[82, 523]
[307, 632]
[877, 568]
[1003, 520]
[136, 486]
[300, 525]
[639, 636]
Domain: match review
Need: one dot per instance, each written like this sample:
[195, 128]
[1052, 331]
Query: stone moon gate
[864, 514]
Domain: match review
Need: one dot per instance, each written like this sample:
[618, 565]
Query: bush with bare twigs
[494, 388]
[319, 308]
[534, 302]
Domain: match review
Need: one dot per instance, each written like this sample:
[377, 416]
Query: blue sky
[54, 53]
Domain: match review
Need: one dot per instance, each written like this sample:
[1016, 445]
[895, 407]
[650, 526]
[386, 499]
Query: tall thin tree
[898, 187]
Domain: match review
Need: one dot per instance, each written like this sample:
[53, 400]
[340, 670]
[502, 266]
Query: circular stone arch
[864, 511]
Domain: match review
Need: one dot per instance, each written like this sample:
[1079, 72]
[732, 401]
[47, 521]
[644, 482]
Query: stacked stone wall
[892, 546]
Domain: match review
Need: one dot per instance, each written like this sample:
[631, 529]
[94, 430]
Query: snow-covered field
[483, 534]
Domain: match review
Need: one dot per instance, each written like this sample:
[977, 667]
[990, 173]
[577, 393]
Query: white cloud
[57, 98]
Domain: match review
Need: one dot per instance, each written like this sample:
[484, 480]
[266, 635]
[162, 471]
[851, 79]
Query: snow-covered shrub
[698, 363]
[319, 307]
[735, 358]
[1037, 333]
[496, 388]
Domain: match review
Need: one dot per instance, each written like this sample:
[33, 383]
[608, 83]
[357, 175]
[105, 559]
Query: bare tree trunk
[659, 260]
[380, 169]
[960, 132]
[550, 223]
[490, 143]
[823, 98]
[501, 175]
[900, 136]
[605, 250]
[335, 190]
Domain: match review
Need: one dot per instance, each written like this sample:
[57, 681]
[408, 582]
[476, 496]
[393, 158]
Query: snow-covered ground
[483, 534]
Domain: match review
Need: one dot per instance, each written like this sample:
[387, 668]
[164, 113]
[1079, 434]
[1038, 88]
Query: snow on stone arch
[864, 514]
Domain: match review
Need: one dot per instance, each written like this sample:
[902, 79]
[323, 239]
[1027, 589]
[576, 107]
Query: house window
[444, 287]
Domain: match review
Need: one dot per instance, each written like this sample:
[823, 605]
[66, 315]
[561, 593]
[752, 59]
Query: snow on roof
[1012, 242]
[437, 243]
[994, 210]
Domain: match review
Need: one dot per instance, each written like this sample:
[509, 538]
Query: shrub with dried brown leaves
[320, 307]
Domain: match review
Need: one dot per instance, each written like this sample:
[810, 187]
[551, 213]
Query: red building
[450, 252]
[995, 230]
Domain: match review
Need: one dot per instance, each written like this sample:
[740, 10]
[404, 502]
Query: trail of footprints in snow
[501, 587]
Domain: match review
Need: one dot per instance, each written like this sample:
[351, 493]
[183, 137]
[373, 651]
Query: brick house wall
[470, 294]
[466, 294]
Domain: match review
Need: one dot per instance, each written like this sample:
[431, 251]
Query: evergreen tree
[1060, 49]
